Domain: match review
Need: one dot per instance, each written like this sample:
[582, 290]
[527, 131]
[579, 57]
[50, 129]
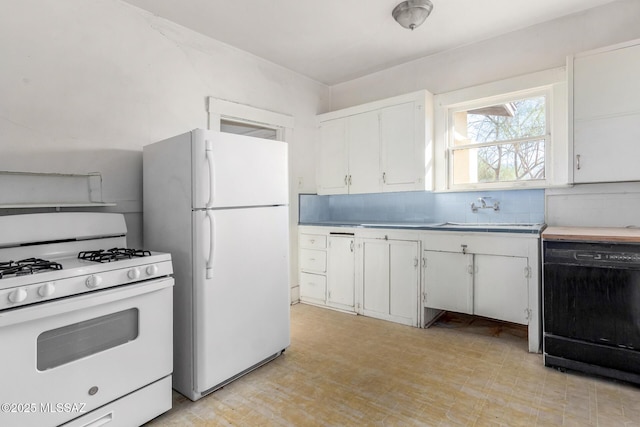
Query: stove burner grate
[113, 254]
[27, 266]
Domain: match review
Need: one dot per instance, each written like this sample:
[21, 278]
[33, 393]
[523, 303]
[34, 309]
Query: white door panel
[242, 311]
[364, 153]
[376, 276]
[233, 170]
[403, 289]
[501, 288]
[449, 281]
[333, 167]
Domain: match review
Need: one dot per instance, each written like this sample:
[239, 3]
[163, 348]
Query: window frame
[557, 159]
[545, 92]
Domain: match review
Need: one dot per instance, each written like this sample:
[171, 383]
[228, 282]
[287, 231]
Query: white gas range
[85, 323]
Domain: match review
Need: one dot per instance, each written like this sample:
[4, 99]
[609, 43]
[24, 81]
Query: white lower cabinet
[341, 272]
[410, 277]
[390, 280]
[448, 281]
[484, 274]
[485, 285]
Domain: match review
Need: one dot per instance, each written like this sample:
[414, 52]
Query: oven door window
[72, 342]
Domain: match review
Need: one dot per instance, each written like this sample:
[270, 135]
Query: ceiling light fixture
[412, 13]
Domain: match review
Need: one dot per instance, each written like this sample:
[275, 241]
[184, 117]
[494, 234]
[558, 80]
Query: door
[333, 167]
[86, 350]
[375, 277]
[364, 153]
[241, 290]
[606, 114]
[501, 288]
[448, 281]
[233, 170]
[399, 148]
[341, 272]
[404, 279]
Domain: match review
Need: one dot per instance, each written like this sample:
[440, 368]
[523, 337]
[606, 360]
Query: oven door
[65, 358]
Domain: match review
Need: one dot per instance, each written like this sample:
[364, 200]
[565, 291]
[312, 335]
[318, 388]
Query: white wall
[85, 84]
[536, 48]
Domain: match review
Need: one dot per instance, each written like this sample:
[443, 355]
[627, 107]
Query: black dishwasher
[591, 308]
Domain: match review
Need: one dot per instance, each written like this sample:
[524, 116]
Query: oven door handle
[212, 226]
[208, 149]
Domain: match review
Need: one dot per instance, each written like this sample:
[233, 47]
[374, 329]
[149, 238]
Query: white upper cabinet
[377, 147]
[606, 114]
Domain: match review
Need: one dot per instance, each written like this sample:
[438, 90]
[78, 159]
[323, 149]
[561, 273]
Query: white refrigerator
[218, 203]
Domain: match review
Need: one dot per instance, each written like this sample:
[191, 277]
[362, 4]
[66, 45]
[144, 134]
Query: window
[231, 117]
[499, 141]
[505, 134]
[248, 129]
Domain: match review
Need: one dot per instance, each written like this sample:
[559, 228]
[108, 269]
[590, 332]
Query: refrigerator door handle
[212, 224]
[208, 148]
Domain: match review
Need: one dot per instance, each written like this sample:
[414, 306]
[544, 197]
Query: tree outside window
[500, 142]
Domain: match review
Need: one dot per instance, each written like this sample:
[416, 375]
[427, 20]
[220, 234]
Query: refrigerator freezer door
[242, 310]
[233, 170]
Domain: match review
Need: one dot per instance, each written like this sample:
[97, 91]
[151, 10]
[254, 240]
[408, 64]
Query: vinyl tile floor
[346, 370]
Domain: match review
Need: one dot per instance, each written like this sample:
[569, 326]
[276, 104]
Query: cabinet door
[399, 147]
[449, 281]
[332, 165]
[375, 276]
[364, 153]
[404, 279]
[341, 272]
[501, 288]
[606, 115]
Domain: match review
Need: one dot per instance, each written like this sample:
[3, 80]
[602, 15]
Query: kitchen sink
[488, 224]
[404, 225]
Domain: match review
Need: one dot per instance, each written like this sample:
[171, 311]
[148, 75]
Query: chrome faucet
[482, 204]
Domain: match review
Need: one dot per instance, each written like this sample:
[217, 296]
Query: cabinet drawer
[313, 241]
[313, 286]
[313, 260]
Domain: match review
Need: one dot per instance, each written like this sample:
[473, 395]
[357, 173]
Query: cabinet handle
[470, 269]
[345, 180]
[351, 246]
[464, 249]
[578, 161]
[416, 262]
[384, 177]
[349, 179]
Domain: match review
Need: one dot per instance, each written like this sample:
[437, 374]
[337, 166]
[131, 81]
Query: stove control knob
[46, 290]
[152, 270]
[18, 295]
[93, 281]
[134, 273]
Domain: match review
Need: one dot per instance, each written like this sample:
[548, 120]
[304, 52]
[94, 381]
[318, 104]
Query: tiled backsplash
[519, 206]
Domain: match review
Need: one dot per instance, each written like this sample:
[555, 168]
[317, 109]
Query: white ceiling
[332, 41]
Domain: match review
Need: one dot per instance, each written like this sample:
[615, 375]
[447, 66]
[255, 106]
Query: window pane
[524, 118]
[499, 163]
